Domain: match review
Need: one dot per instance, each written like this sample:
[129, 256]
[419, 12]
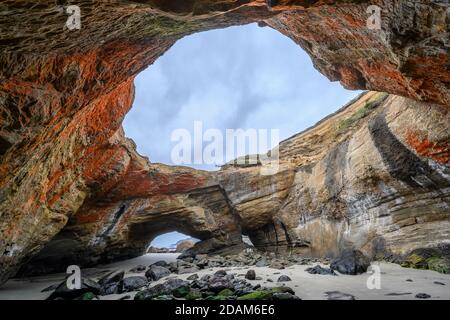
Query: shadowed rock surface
[374, 176]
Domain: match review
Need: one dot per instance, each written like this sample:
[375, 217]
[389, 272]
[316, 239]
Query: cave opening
[238, 78]
[172, 241]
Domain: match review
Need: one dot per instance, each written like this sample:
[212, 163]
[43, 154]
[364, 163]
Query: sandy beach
[396, 282]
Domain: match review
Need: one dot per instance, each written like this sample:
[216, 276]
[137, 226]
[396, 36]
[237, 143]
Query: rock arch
[63, 96]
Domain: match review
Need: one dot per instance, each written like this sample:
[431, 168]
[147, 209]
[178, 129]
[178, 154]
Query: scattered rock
[284, 296]
[441, 265]
[110, 283]
[155, 272]
[257, 295]
[160, 263]
[63, 292]
[192, 277]
[409, 280]
[184, 270]
[161, 289]
[132, 284]
[351, 262]
[337, 295]
[217, 284]
[220, 273]
[276, 265]
[159, 250]
[138, 269]
[111, 278]
[439, 283]
[320, 270]
[250, 275]
[428, 258]
[262, 263]
[423, 296]
[284, 278]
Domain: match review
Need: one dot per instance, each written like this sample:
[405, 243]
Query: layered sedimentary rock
[68, 174]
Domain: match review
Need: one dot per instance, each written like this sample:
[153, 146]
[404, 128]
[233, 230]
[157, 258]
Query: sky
[239, 77]
[168, 239]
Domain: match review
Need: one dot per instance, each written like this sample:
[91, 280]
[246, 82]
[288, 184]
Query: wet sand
[306, 286]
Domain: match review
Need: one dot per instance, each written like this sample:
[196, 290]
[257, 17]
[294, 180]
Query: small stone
[320, 270]
[423, 296]
[439, 283]
[284, 296]
[262, 263]
[160, 263]
[192, 277]
[184, 270]
[337, 295]
[138, 269]
[220, 273]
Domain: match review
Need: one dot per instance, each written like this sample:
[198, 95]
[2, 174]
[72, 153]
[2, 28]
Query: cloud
[240, 77]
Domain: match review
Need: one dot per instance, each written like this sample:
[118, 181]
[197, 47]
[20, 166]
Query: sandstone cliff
[71, 183]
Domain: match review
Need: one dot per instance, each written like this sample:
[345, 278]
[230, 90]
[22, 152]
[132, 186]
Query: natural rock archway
[64, 160]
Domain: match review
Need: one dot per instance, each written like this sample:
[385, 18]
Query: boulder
[138, 269]
[284, 278]
[184, 245]
[250, 275]
[132, 284]
[155, 272]
[63, 292]
[350, 262]
[320, 270]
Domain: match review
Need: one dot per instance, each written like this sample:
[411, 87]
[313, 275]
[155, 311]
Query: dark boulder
[110, 283]
[160, 263]
[337, 295]
[283, 278]
[132, 284]
[320, 270]
[63, 292]
[165, 288]
[250, 275]
[138, 269]
[154, 273]
[351, 262]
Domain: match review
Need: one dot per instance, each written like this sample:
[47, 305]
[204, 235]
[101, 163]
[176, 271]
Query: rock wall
[64, 163]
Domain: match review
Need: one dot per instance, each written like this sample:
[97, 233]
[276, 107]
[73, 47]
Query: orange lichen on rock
[436, 150]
